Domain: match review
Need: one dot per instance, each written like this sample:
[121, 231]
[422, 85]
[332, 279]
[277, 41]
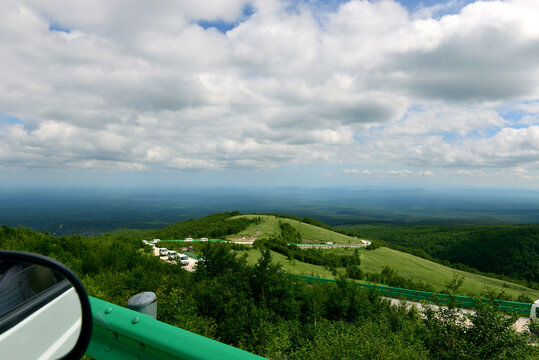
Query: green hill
[405, 265]
[507, 250]
[261, 309]
[269, 226]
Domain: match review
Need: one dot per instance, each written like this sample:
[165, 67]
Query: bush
[354, 272]
[534, 327]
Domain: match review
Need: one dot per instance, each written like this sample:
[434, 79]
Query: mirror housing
[34, 290]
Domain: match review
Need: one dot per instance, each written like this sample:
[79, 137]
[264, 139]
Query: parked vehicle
[172, 254]
[188, 239]
[163, 252]
[203, 239]
[534, 312]
[184, 259]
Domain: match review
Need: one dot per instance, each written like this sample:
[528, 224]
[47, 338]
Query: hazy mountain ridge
[96, 211]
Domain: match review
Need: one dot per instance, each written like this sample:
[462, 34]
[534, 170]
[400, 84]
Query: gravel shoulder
[521, 325]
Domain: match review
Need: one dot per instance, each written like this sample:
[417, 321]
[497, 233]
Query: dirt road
[520, 325]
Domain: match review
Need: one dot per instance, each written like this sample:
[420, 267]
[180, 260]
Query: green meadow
[270, 226]
[406, 265]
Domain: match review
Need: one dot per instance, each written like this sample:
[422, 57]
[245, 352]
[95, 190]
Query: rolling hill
[405, 265]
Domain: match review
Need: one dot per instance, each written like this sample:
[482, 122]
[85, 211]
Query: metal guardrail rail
[195, 240]
[122, 334]
[194, 256]
[327, 246]
[416, 295]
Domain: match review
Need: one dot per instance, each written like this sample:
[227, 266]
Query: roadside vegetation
[245, 297]
[260, 308]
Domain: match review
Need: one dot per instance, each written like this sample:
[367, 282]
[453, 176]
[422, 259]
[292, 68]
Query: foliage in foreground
[263, 310]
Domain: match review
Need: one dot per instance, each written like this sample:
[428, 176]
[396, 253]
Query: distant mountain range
[93, 211]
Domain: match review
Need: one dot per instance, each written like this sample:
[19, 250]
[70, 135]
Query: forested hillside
[510, 250]
[212, 226]
[261, 309]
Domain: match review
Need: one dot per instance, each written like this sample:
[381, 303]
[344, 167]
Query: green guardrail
[416, 295]
[328, 246]
[121, 334]
[195, 240]
[194, 256]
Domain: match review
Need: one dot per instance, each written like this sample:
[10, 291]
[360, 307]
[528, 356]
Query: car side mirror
[44, 310]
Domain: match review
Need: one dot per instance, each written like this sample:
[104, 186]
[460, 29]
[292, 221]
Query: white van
[172, 254]
[184, 259]
[204, 239]
[534, 312]
[163, 252]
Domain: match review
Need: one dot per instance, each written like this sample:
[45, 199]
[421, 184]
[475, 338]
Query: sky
[269, 93]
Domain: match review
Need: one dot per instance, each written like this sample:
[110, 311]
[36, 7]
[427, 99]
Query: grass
[290, 266]
[270, 226]
[409, 266]
[406, 265]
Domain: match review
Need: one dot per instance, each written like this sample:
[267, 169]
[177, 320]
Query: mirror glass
[40, 312]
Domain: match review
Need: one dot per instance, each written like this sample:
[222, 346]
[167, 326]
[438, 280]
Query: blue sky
[55, 27]
[270, 93]
[321, 8]
[10, 120]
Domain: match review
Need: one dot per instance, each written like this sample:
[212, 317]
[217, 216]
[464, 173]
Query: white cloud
[143, 86]
[472, 173]
[532, 107]
[400, 172]
[393, 173]
[510, 147]
[455, 120]
[530, 119]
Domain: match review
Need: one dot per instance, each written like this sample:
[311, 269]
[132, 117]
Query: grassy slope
[409, 266]
[406, 265]
[270, 226]
[293, 267]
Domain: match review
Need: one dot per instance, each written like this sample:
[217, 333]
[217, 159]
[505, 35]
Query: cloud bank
[115, 85]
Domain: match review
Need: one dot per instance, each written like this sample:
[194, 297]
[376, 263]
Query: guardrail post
[145, 303]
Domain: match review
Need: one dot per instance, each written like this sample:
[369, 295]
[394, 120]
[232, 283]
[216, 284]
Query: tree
[217, 260]
[263, 272]
[453, 285]
[491, 334]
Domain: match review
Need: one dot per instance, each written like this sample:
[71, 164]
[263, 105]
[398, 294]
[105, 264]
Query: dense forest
[263, 310]
[509, 250]
[212, 226]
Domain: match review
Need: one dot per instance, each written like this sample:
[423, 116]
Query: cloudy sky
[270, 92]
